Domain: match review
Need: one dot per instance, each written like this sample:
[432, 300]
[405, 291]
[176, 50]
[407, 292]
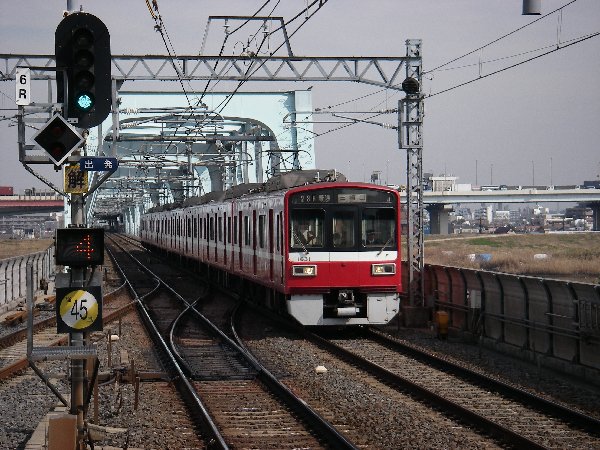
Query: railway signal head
[410, 86]
[82, 45]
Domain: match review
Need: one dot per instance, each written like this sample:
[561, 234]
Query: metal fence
[12, 274]
[553, 318]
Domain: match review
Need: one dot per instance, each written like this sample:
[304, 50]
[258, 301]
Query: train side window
[229, 230]
[235, 230]
[189, 227]
[246, 230]
[262, 231]
[195, 226]
[220, 221]
[211, 229]
[277, 231]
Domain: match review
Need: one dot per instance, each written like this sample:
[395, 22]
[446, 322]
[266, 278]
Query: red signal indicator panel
[79, 247]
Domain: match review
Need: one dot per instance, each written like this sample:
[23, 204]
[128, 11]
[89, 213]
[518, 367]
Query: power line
[460, 57]
[577, 41]
[227, 34]
[502, 37]
[224, 103]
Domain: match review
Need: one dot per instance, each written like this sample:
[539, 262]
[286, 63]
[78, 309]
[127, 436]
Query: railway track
[508, 416]
[511, 415]
[13, 342]
[241, 403]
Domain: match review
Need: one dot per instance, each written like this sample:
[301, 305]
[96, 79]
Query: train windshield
[378, 227]
[343, 220]
[307, 228]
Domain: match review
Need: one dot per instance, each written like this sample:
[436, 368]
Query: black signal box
[58, 138]
[79, 247]
[82, 49]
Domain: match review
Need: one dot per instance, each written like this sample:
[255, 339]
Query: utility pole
[410, 110]
[83, 59]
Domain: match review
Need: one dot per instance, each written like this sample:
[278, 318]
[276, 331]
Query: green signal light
[85, 102]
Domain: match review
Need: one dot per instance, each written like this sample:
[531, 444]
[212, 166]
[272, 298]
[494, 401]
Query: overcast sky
[513, 126]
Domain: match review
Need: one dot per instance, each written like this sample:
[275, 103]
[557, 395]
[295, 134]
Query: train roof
[284, 181]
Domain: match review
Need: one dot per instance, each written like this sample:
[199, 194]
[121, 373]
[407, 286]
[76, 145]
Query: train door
[219, 243]
[195, 238]
[238, 232]
[254, 256]
[206, 238]
[246, 253]
[270, 248]
[226, 234]
[187, 234]
[280, 245]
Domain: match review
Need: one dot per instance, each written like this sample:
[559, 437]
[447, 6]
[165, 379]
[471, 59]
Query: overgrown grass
[574, 257]
[484, 241]
[18, 247]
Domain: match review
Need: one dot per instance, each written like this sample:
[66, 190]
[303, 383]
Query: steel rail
[588, 423]
[324, 430]
[208, 426]
[494, 429]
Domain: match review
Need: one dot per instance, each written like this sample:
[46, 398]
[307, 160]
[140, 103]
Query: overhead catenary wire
[160, 25]
[554, 47]
[460, 57]
[225, 42]
[247, 74]
[480, 77]
[502, 37]
[161, 28]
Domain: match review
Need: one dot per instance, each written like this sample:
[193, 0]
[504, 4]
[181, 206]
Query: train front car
[343, 254]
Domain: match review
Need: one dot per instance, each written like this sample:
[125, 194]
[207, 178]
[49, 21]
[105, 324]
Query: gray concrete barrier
[540, 319]
[13, 278]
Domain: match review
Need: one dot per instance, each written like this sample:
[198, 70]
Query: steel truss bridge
[383, 72]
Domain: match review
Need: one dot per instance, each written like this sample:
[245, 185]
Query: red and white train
[325, 251]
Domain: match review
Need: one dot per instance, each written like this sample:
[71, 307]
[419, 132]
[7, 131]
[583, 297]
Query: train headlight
[383, 269]
[304, 271]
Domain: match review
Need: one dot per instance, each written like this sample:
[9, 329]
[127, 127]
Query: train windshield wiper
[385, 245]
[301, 243]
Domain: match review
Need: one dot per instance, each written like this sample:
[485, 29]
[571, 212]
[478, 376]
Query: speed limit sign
[78, 309]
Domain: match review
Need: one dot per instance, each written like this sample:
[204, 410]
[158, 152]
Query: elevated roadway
[29, 204]
[436, 201]
[527, 195]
